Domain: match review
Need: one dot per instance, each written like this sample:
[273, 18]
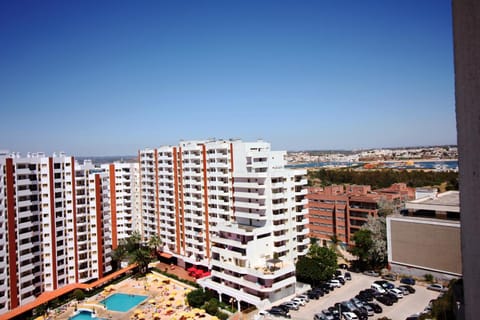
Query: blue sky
[111, 77]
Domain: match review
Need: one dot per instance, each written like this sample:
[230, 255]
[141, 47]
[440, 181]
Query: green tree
[78, 294]
[196, 298]
[318, 265]
[378, 254]
[363, 245]
[154, 243]
[211, 306]
[142, 257]
[132, 250]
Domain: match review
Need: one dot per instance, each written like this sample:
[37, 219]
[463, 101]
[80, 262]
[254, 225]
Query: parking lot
[405, 307]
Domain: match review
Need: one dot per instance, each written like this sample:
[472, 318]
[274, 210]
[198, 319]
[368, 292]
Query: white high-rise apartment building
[231, 206]
[93, 241]
[254, 254]
[125, 208]
[54, 225]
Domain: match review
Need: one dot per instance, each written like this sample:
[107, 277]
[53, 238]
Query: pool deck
[166, 300]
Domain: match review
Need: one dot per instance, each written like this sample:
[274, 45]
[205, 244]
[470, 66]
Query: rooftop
[447, 201]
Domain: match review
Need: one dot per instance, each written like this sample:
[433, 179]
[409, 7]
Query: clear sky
[112, 77]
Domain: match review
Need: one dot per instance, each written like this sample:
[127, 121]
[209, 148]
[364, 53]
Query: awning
[166, 255]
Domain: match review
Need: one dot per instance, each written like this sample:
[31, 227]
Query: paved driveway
[410, 304]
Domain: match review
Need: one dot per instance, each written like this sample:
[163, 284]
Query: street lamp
[232, 301]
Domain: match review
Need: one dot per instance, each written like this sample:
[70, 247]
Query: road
[405, 307]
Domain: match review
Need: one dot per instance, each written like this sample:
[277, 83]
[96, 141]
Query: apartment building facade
[54, 224]
[340, 211]
[219, 202]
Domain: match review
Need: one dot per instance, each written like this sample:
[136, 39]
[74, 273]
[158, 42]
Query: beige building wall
[426, 244]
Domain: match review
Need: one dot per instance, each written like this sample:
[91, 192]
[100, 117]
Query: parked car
[335, 312]
[437, 287]
[390, 276]
[413, 317]
[311, 294]
[343, 266]
[409, 281]
[325, 287]
[409, 288]
[347, 276]
[304, 297]
[318, 291]
[338, 273]
[377, 287]
[375, 306]
[320, 316]
[327, 314]
[384, 299]
[385, 284]
[335, 283]
[291, 305]
[300, 301]
[278, 312]
[341, 279]
[404, 290]
[349, 316]
[392, 296]
[371, 273]
[397, 292]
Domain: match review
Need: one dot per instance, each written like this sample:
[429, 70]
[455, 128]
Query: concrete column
[466, 32]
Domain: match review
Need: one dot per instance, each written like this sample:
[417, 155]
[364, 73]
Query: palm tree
[154, 243]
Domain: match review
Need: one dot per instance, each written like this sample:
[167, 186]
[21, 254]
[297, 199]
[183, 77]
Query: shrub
[221, 315]
[196, 298]
[428, 277]
[211, 306]
[78, 294]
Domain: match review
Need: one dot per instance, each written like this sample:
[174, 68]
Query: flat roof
[446, 201]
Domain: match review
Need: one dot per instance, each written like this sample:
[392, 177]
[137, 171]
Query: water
[84, 315]
[122, 302]
[440, 165]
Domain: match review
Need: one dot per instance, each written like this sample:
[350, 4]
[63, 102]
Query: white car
[335, 283]
[349, 316]
[437, 287]
[378, 288]
[298, 301]
[304, 297]
[397, 292]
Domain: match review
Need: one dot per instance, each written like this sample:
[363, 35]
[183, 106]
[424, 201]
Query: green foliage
[221, 315]
[443, 307]
[428, 277]
[318, 265]
[154, 243]
[196, 298]
[378, 254]
[78, 294]
[363, 244]
[211, 306]
[132, 249]
[385, 178]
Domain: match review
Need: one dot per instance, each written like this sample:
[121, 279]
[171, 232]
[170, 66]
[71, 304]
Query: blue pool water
[122, 302]
[84, 315]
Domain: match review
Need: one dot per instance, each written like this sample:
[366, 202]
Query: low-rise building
[340, 211]
[426, 240]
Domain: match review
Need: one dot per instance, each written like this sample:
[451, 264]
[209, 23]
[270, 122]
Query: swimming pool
[84, 315]
[122, 302]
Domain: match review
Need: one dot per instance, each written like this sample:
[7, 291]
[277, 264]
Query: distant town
[448, 152]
